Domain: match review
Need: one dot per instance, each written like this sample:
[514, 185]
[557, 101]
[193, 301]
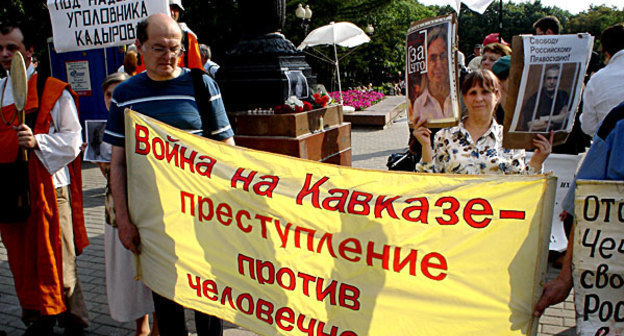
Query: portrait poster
[597, 262]
[297, 84]
[96, 150]
[431, 71]
[549, 75]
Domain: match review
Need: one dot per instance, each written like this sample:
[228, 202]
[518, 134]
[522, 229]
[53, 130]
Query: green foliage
[33, 16]
[518, 18]
[595, 20]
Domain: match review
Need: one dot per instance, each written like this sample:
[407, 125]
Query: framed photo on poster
[96, 150]
[545, 84]
[432, 73]
[297, 84]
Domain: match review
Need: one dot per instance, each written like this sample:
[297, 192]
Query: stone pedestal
[319, 135]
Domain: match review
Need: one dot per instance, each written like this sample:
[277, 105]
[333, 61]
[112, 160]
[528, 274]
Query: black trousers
[171, 322]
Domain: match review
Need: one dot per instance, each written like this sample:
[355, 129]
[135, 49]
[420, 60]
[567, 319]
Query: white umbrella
[344, 34]
[478, 6]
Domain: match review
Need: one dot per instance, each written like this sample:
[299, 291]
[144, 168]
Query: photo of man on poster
[434, 101]
[96, 150]
[547, 109]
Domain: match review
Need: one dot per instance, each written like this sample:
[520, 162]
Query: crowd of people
[168, 70]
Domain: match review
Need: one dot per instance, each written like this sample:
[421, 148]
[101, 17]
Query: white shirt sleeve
[62, 144]
[589, 119]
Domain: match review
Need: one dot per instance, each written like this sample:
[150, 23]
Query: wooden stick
[20, 119]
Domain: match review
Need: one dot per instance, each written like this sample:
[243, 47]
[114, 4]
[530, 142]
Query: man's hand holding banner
[287, 246]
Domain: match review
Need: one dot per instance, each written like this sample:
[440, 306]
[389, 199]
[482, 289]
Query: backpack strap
[202, 96]
[186, 43]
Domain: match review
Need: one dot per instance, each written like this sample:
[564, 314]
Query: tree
[33, 16]
[34, 19]
[595, 20]
[517, 19]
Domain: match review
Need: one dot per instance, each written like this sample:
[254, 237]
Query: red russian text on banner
[286, 246]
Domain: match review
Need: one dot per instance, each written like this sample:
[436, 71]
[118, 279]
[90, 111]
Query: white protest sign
[563, 166]
[598, 261]
[551, 82]
[78, 76]
[92, 24]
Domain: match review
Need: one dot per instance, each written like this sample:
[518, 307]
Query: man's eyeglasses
[162, 51]
[11, 47]
[438, 57]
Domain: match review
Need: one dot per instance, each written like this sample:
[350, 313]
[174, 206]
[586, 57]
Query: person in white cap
[191, 57]
[175, 7]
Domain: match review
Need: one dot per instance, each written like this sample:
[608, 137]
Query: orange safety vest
[34, 247]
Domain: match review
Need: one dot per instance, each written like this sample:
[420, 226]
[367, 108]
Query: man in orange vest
[191, 58]
[42, 245]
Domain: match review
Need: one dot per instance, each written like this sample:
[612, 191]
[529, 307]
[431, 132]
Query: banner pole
[548, 202]
[500, 22]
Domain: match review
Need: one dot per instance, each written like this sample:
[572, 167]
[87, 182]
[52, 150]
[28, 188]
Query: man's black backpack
[202, 98]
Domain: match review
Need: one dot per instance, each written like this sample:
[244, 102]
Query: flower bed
[358, 99]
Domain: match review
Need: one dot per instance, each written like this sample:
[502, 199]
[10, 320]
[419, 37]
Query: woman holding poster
[475, 145]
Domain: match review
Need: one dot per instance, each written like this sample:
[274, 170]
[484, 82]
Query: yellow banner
[292, 247]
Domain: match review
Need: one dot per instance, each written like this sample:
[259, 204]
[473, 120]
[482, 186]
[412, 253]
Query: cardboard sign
[281, 245]
[545, 84]
[96, 150]
[78, 76]
[93, 24]
[563, 166]
[431, 71]
[598, 263]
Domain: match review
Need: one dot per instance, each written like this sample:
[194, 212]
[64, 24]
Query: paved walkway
[370, 150]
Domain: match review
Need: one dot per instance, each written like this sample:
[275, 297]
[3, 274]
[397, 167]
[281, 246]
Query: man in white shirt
[210, 66]
[605, 89]
[42, 245]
